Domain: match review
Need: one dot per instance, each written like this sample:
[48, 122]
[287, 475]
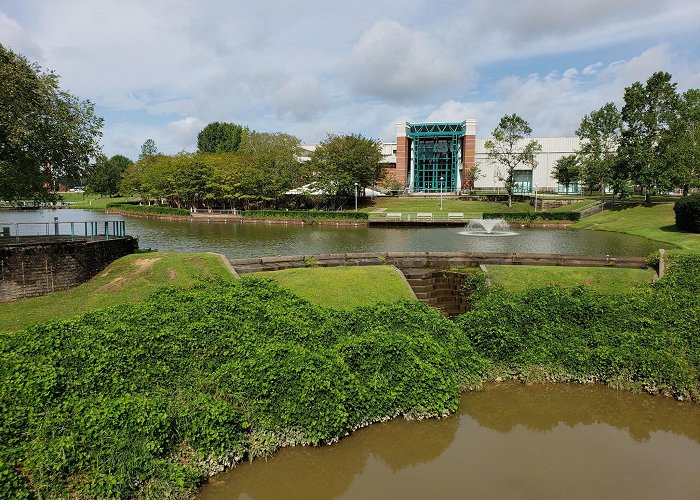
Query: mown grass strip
[519, 279]
[343, 287]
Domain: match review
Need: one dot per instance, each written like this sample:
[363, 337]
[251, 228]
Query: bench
[424, 216]
[455, 215]
[393, 215]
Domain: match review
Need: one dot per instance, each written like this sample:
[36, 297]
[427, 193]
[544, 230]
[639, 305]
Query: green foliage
[645, 339]
[567, 170]
[687, 211]
[508, 151]
[144, 399]
[305, 215]
[343, 163]
[218, 137]
[46, 134]
[147, 209]
[599, 132]
[148, 149]
[264, 167]
[103, 176]
[532, 216]
[649, 112]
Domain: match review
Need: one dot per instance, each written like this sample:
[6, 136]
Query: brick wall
[36, 268]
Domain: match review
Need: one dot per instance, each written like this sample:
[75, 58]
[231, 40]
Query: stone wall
[39, 266]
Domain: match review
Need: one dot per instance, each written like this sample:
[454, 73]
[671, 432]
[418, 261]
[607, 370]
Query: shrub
[687, 211]
[305, 215]
[148, 209]
[532, 216]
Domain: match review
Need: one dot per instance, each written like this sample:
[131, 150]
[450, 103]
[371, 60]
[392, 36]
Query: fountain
[487, 227]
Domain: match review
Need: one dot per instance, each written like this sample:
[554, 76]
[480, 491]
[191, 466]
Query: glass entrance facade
[522, 181]
[436, 156]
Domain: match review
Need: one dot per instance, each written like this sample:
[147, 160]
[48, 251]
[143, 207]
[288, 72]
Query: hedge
[148, 209]
[687, 211]
[304, 215]
[533, 216]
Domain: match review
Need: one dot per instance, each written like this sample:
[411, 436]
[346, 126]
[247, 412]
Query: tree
[509, 151]
[342, 161]
[103, 176]
[269, 165]
[148, 149]
[682, 143]
[648, 114]
[220, 137]
[45, 132]
[600, 139]
[567, 171]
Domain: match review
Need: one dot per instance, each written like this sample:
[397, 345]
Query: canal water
[564, 441]
[239, 240]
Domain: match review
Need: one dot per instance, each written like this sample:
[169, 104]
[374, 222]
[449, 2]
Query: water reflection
[508, 441]
[237, 240]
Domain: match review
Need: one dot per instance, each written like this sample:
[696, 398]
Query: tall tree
[341, 161]
[509, 150]
[45, 132]
[648, 113]
[103, 176]
[218, 137]
[269, 166]
[148, 149]
[567, 171]
[682, 144]
[599, 132]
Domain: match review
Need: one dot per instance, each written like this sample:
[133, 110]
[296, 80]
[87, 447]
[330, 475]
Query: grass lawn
[343, 287]
[129, 279]
[90, 201]
[655, 223]
[518, 279]
[471, 209]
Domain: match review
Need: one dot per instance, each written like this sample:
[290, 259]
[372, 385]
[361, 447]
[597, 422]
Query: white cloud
[302, 98]
[14, 37]
[395, 63]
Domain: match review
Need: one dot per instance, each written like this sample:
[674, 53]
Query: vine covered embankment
[148, 399]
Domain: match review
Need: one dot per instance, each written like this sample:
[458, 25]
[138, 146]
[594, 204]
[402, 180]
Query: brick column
[468, 153]
[403, 153]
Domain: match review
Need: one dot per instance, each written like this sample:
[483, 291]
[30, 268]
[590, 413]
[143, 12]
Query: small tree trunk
[685, 189]
[510, 199]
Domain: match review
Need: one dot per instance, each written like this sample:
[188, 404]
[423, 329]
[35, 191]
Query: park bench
[455, 215]
[424, 216]
[393, 215]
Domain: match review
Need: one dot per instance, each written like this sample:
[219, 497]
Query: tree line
[235, 167]
[651, 145]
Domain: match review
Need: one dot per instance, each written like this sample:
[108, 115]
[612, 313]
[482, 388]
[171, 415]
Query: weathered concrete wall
[432, 260]
[32, 268]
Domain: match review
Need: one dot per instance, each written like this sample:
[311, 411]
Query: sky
[163, 69]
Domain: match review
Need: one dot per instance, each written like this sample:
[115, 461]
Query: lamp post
[441, 183]
[356, 196]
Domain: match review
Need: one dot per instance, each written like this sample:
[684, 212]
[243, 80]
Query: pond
[240, 240]
[508, 441]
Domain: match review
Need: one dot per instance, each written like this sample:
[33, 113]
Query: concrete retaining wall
[432, 260]
[40, 266]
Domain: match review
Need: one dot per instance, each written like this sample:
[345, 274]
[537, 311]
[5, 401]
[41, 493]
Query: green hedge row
[304, 215]
[148, 209]
[141, 399]
[532, 216]
[687, 211]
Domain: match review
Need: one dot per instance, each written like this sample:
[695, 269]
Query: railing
[84, 230]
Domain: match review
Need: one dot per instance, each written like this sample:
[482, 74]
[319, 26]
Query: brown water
[509, 441]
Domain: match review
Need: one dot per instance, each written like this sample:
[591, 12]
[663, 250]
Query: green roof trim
[442, 129]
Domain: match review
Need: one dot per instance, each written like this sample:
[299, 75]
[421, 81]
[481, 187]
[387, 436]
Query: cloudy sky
[163, 69]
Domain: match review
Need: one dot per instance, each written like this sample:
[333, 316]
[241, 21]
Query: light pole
[356, 196]
[441, 182]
